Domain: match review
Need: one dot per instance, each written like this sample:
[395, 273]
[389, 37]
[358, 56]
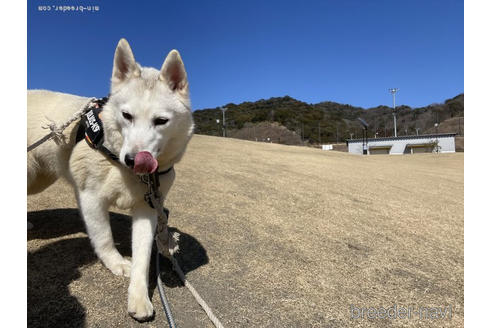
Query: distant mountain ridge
[326, 121]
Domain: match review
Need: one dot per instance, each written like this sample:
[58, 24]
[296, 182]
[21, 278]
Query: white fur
[146, 94]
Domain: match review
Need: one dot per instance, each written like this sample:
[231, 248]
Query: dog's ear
[124, 64]
[173, 73]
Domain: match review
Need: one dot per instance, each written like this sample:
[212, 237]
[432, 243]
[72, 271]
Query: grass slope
[273, 236]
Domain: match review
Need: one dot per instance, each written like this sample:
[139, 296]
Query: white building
[426, 143]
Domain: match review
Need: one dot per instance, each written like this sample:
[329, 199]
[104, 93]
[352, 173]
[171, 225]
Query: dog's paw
[121, 267]
[140, 308]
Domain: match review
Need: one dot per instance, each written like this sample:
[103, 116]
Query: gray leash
[167, 245]
[41, 141]
[162, 294]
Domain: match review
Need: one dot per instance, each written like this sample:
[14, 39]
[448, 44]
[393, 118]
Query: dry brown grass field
[272, 236]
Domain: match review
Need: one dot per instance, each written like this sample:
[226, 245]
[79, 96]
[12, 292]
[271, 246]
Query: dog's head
[148, 110]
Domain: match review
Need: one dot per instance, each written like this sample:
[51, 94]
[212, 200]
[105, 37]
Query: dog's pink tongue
[145, 163]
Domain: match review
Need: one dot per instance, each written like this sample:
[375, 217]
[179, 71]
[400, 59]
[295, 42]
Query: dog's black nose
[129, 161]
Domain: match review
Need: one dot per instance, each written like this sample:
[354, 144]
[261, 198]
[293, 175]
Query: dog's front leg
[96, 217]
[143, 228]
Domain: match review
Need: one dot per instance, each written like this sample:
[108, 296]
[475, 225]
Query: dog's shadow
[52, 267]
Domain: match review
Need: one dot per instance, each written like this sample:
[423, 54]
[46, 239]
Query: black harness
[91, 129]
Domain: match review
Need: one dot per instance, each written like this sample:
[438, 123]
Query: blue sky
[234, 51]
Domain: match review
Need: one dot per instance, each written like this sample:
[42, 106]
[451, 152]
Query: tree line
[325, 122]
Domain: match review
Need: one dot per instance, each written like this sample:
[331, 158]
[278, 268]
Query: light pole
[223, 109]
[364, 138]
[417, 129]
[393, 91]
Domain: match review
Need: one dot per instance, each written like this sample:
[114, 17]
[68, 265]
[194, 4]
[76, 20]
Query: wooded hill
[290, 121]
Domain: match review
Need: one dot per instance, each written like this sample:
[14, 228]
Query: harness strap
[165, 171]
[108, 153]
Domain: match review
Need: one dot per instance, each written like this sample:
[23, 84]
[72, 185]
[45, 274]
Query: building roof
[420, 136]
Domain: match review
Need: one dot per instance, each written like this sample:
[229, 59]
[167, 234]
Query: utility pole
[223, 109]
[393, 91]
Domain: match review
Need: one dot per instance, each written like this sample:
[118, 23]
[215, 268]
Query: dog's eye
[160, 121]
[127, 116]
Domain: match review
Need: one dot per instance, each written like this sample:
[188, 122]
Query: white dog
[147, 122]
